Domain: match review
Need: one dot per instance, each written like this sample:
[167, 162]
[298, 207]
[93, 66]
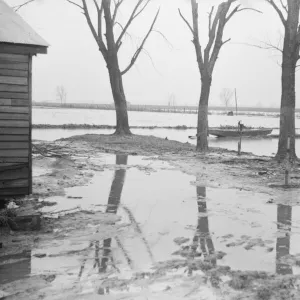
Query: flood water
[257, 146]
[167, 217]
[60, 116]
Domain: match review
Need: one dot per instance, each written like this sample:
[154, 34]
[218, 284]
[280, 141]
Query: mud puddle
[160, 219]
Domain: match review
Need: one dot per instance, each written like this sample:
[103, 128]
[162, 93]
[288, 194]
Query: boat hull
[235, 133]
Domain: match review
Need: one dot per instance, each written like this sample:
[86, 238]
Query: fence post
[240, 128]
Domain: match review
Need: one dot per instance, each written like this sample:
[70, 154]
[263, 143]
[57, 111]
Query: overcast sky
[74, 61]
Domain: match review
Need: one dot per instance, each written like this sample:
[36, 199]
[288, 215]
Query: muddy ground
[52, 263]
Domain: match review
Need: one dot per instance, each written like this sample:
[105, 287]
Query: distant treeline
[155, 108]
[93, 126]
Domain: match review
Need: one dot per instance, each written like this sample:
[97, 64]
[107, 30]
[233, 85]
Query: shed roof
[14, 30]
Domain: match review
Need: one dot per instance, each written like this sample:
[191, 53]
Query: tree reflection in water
[284, 222]
[113, 204]
[112, 207]
[202, 237]
[103, 252]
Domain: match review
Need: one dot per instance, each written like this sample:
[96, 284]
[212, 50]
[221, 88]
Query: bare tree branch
[236, 10]
[16, 8]
[117, 6]
[218, 40]
[196, 35]
[164, 37]
[284, 6]
[228, 40]
[75, 4]
[142, 9]
[138, 51]
[100, 15]
[279, 12]
[267, 46]
[122, 27]
[131, 18]
[97, 5]
[98, 37]
[212, 32]
[209, 18]
[89, 21]
[186, 21]
[152, 62]
[249, 8]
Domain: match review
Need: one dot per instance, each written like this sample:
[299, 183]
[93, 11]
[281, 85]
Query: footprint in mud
[249, 243]
[227, 236]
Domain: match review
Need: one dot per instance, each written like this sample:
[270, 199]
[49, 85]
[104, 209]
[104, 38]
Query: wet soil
[145, 218]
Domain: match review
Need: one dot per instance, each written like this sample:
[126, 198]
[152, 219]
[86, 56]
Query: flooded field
[61, 116]
[104, 117]
[257, 146]
[151, 231]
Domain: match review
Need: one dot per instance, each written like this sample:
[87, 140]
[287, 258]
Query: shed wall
[15, 124]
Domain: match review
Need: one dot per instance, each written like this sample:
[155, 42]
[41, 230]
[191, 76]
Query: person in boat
[241, 126]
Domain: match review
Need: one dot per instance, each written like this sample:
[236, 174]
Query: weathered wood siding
[15, 125]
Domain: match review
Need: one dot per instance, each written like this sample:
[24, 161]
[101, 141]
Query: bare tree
[288, 12]
[171, 101]
[217, 20]
[109, 44]
[108, 10]
[225, 96]
[61, 94]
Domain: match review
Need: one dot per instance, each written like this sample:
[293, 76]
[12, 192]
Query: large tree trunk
[287, 109]
[116, 84]
[115, 75]
[290, 55]
[202, 128]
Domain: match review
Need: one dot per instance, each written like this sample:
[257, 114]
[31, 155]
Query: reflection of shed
[18, 43]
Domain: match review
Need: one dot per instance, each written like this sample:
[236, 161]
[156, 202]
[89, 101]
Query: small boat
[234, 132]
[225, 132]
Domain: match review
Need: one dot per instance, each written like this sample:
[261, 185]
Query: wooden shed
[18, 44]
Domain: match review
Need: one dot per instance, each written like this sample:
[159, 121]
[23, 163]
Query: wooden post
[287, 167]
[236, 109]
[240, 128]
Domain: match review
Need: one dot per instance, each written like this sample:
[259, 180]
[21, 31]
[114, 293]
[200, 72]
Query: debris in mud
[248, 242]
[25, 220]
[181, 240]
[262, 172]
[40, 255]
[243, 280]
[186, 251]
[284, 186]
[227, 236]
